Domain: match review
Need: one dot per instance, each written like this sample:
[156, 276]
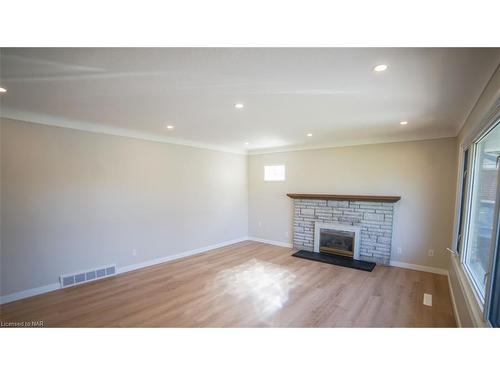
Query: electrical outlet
[134, 252]
[286, 234]
[399, 250]
[431, 252]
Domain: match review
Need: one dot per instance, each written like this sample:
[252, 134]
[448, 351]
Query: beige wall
[467, 308]
[74, 200]
[423, 173]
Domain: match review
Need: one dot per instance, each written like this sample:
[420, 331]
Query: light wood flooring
[248, 284]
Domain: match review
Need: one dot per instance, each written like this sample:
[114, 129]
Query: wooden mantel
[366, 198]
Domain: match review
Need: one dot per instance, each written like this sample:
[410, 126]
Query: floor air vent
[86, 276]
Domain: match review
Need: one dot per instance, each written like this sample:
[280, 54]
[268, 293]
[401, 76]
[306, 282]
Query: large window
[483, 199]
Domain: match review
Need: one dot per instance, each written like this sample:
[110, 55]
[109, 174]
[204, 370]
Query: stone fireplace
[355, 226]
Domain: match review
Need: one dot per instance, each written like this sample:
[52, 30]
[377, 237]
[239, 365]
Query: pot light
[247, 143]
[239, 106]
[2, 90]
[380, 68]
[309, 134]
[403, 123]
[170, 127]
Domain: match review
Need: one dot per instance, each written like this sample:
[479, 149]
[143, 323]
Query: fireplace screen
[337, 242]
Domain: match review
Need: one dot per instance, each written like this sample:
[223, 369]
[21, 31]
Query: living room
[285, 186]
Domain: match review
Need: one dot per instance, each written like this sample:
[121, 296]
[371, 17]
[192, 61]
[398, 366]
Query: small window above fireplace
[274, 173]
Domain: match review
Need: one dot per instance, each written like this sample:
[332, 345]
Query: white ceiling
[332, 93]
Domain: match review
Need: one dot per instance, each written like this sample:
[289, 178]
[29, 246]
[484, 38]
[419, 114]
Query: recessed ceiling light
[309, 134]
[380, 68]
[403, 123]
[170, 127]
[2, 90]
[239, 106]
[247, 143]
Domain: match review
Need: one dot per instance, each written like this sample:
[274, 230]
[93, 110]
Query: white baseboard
[132, 267]
[152, 262]
[270, 242]
[411, 266]
[29, 293]
[418, 267]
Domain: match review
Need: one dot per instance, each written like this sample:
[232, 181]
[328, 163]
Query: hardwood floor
[248, 284]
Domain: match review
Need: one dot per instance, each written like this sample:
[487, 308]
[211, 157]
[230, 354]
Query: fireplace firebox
[336, 242]
[337, 239]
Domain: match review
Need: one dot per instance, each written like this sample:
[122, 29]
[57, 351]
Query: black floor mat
[336, 260]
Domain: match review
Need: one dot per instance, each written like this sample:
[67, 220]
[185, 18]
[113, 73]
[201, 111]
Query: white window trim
[466, 215]
[460, 216]
[492, 120]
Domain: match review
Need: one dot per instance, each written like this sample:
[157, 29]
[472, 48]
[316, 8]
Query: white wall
[423, 173]
[73, 200]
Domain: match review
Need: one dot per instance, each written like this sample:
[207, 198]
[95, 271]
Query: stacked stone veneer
[374, 218]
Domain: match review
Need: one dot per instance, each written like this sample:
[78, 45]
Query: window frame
[492, 303]
[462, 199]
[466, 221]
[464, 214]
[275, 165]
[494, 256]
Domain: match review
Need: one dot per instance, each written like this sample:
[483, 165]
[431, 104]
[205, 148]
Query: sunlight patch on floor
[267, 284]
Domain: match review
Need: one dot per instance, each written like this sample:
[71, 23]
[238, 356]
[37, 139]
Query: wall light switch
[431, 252]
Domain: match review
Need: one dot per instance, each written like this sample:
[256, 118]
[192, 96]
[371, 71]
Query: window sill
[474, 306]
[472, 285]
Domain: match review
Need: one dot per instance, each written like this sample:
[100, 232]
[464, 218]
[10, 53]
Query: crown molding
[496, 98]
[364, 142]
[490, 118]
[42, 119]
